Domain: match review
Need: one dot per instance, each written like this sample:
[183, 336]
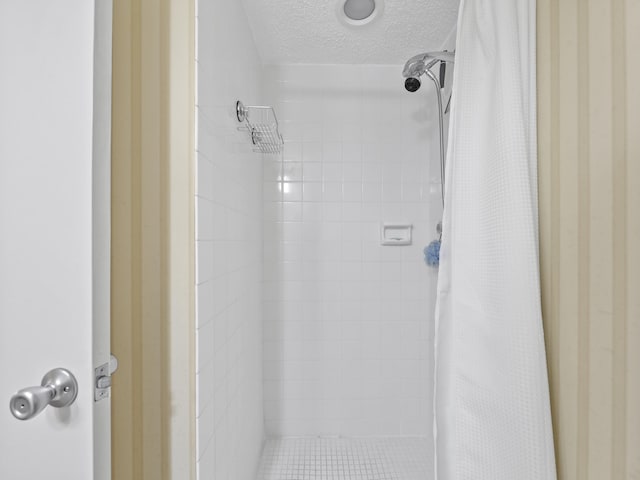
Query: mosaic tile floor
[346, 459]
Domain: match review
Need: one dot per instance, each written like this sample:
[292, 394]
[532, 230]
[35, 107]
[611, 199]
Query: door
[55, 70]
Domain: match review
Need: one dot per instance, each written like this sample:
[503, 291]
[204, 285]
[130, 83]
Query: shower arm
[433, 57]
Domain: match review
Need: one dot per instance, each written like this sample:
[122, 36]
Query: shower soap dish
[395, 234]
[262, 125]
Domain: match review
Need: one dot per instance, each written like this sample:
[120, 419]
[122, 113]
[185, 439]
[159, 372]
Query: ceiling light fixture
[359, 12]
[359, 9]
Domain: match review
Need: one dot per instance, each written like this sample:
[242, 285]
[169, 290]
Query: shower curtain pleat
[492, 411]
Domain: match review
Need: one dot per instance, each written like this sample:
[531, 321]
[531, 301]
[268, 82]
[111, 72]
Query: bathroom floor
[346, 459]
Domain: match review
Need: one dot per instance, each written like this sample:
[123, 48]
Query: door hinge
[103, 378]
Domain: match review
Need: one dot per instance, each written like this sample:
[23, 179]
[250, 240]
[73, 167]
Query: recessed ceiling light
[359, 12]
[359, 9]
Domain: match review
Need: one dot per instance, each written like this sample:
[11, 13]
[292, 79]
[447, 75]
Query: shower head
[412, 84]
[413, 70]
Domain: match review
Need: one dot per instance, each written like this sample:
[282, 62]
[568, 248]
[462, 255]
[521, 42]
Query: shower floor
[346, 459]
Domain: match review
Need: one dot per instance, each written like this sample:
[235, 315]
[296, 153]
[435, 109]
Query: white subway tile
[311, 173]
[292, 172]
[332, 191]
[332, 172]
[312, 190]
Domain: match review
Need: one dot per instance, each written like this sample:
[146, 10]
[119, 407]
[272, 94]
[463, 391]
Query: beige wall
[589, 145]
[152, 240]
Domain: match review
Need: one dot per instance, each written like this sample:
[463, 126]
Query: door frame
[152, 266]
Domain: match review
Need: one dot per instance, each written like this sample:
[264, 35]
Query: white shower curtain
[492, 413]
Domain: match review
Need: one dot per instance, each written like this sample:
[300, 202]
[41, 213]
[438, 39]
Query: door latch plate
[103, 378]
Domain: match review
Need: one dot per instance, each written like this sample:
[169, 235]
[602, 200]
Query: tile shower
[347, 336]
[312, 337]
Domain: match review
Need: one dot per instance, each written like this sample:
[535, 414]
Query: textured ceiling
[308, 31]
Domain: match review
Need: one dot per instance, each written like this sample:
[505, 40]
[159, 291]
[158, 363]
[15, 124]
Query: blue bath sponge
[432, 254]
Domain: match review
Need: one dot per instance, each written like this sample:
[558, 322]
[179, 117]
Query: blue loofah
[432, 254]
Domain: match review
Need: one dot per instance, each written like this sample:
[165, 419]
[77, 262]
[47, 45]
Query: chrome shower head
[413, 70]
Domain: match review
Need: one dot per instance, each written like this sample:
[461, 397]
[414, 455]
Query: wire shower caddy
[262, 125]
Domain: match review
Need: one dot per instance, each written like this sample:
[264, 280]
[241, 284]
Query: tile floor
[346, 459]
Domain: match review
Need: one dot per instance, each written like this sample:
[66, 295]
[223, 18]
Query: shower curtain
[492, 413]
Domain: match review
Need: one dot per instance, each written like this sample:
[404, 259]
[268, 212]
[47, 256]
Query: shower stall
[312, 334]
[336, 339]
[348, 312]
[320, 185]
[314, 323]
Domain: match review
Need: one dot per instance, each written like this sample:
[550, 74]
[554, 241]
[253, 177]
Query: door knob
[58, 388]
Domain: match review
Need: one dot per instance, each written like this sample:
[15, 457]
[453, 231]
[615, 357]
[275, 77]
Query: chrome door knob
[58, 388]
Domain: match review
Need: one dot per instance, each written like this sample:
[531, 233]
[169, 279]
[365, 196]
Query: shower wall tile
[348, 323]
[229, 201]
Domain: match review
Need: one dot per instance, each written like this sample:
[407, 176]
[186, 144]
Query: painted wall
[348, 323]
[589, 120]
[229, 248]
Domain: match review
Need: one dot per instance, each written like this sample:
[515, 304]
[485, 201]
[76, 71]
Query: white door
[55, 72]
